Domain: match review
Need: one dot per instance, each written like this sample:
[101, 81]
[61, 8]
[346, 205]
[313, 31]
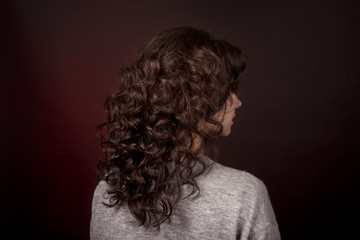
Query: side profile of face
[226, 115]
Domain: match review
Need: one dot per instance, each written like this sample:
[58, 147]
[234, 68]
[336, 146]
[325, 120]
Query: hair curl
[181, 76]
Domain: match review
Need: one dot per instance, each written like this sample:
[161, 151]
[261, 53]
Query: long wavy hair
[182, 76]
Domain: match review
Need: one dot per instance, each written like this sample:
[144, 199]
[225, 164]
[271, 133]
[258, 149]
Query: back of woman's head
[180, 78]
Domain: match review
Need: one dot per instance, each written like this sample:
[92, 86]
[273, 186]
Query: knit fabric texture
[232, 204]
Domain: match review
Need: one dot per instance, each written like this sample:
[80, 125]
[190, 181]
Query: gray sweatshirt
[233, 204]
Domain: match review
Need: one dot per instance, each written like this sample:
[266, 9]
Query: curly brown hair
[180, 77]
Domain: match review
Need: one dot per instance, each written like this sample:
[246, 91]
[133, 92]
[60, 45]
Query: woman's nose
[237, 102]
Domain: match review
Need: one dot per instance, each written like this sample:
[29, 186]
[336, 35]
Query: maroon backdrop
[298, 128]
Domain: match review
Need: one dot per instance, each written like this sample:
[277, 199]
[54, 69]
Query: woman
[156, 182]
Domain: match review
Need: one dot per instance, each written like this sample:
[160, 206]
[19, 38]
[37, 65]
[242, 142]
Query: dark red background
[298, 128]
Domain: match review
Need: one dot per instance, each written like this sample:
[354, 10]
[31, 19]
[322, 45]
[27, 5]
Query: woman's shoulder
[247, 198]
[234, 181]
[100, 192]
